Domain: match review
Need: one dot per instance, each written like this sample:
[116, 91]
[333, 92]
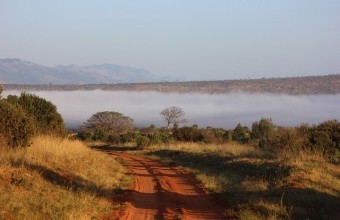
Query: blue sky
[190, 39]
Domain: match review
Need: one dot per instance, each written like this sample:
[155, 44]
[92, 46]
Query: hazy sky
[191, 39]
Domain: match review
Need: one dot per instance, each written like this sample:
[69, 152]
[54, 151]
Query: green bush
[113, 139]
[16, 128]
[264, 129]
[241, 134]
[189, 134]
[84, 135]
[143, 142]
[159, 137]
[46, 118]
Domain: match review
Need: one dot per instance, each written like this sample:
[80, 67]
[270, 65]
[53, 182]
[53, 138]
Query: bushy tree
[325, 138]
[241, 134]
[46, 118]
[16, 128]
[109, 122]
[264, 129]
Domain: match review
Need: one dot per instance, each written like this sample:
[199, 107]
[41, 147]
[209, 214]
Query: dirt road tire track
[163, 192]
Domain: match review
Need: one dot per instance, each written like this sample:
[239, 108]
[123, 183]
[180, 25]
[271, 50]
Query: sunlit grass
[256, 184]
[58, 179]
[231, 148]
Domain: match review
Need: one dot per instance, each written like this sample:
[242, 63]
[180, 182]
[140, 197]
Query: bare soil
[164, 192]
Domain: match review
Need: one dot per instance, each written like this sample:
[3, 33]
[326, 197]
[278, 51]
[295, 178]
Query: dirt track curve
[162, 192]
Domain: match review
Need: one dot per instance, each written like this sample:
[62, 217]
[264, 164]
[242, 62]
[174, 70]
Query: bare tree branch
[172, 115]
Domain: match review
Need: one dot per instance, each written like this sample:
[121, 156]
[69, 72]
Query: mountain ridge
[17, 71]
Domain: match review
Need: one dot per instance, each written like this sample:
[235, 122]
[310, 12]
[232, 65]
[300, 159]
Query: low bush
[143, 142]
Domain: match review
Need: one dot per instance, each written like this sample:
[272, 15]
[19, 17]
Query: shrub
[159, 138]
[241, 134]
[264, 129]
[16, 128]
[84, 135]
[46, 118]
[190, 134]
[126, 138]
[143, 142]
[113, 139]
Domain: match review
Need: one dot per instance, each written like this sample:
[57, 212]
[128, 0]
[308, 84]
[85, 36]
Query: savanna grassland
[58, 178]
[262, 172]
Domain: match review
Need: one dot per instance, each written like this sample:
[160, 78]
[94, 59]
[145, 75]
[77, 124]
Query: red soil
[163, 192]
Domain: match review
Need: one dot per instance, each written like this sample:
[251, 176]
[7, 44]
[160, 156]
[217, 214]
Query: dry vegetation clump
[58, 178]
[255, 184]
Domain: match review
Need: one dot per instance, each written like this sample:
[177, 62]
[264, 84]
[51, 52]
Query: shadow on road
[110, 148]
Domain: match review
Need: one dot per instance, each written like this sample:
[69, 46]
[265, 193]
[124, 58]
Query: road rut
[163, 192]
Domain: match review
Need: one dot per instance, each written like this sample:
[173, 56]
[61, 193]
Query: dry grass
[232, 148]
[255, 185]
[58, 179]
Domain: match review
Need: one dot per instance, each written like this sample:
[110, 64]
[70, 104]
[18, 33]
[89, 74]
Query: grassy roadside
[255, 185]
[58, 179]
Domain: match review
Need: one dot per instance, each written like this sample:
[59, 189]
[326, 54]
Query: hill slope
[18, 71]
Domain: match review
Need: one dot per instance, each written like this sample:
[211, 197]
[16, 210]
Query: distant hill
[308, 85]
[16, 71]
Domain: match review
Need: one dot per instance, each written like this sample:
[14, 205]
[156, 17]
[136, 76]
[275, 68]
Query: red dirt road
[162, 192]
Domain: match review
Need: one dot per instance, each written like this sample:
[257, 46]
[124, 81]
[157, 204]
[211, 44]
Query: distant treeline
[308, 85]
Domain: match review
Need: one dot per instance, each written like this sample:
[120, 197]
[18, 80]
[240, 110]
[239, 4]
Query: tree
[264, 129]
[172, 115]
[109, 122]
[241, 134]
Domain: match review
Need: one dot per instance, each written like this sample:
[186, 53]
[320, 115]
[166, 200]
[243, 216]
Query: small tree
[241, 134]
[264, 129]
[172, 115]
[109, 122]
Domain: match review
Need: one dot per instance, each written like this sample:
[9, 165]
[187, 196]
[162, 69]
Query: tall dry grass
[58, 179]
[230, 148]
[256, 184]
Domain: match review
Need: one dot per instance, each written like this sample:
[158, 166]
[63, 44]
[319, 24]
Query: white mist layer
[224, 111]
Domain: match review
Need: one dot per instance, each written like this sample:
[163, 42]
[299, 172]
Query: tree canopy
[109, 122]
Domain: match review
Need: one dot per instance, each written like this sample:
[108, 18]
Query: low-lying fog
[224, 111]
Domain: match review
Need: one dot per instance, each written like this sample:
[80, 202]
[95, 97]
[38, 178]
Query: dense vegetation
[323, 138]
